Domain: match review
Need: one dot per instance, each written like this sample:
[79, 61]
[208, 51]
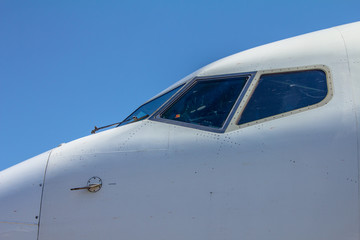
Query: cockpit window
[207, 102]
[284, 92]
[147, 109]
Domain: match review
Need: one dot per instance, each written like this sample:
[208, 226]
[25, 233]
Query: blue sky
[66, 66]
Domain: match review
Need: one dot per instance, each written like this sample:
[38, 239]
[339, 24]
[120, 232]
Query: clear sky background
[66, 66]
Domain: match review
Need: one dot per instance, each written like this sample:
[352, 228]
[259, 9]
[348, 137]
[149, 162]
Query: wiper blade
[134, 118]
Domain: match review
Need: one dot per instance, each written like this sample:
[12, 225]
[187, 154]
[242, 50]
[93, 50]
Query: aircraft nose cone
[20, 196]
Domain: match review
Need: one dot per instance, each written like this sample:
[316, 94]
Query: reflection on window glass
[147, 109]
[207, 103]
[284, 92]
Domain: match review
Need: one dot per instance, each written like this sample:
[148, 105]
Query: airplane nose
[20, 197]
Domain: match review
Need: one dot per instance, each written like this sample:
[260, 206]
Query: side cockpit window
[284, 92]
[207, 102]
[148, 108]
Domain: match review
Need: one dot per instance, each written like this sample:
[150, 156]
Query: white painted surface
[20, 195]
[15, 231]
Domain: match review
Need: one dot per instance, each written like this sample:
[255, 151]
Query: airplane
[263, 144]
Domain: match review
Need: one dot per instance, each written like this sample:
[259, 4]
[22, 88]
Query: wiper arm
[141, 118]
[134, 118]
[97, 129]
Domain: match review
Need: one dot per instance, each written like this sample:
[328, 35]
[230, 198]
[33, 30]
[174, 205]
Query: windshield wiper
[134, 118]
[140, 118]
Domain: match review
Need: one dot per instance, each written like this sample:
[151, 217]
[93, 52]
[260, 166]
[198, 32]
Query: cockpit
[211, 103]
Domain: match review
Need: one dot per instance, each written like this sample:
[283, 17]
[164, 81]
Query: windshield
[207, 102]
[147, 109]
